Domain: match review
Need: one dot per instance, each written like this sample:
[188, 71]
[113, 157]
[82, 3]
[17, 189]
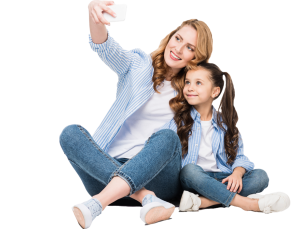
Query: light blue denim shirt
[135, 87]
[218, 146]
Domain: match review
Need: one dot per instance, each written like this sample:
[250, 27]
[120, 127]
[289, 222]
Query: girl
[114, 163]
[214, 164]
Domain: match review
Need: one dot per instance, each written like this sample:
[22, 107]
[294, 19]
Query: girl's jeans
[156, 167]
[209, 184]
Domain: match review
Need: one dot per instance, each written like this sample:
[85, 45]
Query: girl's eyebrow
[197, 79]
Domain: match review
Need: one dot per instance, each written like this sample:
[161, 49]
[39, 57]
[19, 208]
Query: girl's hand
[235, 181]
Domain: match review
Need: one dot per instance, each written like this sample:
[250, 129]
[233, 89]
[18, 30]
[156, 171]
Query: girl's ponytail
[229, 118]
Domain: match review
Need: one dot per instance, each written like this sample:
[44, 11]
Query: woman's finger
[109, 10]
[99, 14]
[109, 3]
[94, 17]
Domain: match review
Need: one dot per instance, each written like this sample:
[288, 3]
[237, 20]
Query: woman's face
[181, 48]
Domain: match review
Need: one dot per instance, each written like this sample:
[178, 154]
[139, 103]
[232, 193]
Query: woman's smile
[174, 56]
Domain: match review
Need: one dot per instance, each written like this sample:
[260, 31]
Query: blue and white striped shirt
[135, 87]
[218, 146]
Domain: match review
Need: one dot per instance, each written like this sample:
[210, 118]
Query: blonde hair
[203, 52]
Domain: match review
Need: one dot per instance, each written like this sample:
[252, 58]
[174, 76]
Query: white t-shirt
[206, 158]
[142, 123]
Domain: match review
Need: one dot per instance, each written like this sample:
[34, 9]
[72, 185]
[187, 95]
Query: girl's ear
[215, 92]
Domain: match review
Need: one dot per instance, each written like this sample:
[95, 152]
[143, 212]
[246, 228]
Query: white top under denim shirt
[135, 87]
[218, 147]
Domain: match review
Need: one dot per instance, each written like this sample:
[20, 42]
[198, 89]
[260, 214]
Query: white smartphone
[120, 10]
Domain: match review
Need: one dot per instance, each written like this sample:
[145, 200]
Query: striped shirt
[218, 146]
[135, 87]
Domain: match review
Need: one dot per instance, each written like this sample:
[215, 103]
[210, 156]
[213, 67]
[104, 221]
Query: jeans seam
[226, 202]
[126, 178]
[96, 146]
[133, 188]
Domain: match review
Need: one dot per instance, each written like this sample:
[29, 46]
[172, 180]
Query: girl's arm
[241, 160]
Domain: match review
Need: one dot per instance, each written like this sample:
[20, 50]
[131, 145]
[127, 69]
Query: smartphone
[120, 10]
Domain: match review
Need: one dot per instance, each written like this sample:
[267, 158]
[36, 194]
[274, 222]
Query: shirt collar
[196, 116]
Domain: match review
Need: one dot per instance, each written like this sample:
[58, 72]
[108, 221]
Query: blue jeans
[156, 167]
[209, 184]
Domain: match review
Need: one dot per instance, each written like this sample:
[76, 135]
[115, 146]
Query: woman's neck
[172, 72]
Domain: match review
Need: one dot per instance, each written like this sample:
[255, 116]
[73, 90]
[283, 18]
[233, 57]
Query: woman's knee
[170, 138]
[68, 136]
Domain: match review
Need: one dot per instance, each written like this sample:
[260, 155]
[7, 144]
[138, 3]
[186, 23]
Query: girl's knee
[192, 173]
[264, 179]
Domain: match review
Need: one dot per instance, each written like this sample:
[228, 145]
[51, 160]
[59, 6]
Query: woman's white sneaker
[155, 209]
[273, 202]
[189, 202]
[87, 211]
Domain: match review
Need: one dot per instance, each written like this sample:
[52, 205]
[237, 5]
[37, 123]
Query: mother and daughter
[138, 152]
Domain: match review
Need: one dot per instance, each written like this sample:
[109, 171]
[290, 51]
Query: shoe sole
[156, 211]
[79, 217]
[83, 215]
[157, 214]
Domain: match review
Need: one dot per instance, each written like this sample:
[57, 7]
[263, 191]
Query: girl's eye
[198, 83]
[187, 82]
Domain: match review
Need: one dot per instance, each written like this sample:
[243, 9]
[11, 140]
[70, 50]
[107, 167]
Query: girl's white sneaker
[189, 202]
[273, 202]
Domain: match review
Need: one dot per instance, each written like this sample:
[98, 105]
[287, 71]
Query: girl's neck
[205, 110]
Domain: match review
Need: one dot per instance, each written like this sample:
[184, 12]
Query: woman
[117, 162]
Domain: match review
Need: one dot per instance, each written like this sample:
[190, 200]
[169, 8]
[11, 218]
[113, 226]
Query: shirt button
[198, 128]
[193, 161]
[196, 144]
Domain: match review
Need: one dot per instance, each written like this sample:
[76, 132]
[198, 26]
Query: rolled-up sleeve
[113, 55]
[241, 160]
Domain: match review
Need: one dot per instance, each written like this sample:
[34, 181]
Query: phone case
[119, 9]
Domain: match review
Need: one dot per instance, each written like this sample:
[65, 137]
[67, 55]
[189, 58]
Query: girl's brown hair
[202, 54]
[226, 119]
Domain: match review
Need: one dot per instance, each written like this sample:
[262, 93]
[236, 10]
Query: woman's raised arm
[97, 21]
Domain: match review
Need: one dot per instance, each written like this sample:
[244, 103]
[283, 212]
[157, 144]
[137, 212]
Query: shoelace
[195, 206]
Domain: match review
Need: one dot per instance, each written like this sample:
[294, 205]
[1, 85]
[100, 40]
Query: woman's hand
[235, 181]
[96, 9]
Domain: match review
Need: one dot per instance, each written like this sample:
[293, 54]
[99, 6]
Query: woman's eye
[189, 48]
[177, 38]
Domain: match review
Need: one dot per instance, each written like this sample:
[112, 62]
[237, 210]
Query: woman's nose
[179, 48]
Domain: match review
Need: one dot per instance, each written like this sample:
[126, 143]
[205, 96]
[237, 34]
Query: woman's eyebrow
[182, 39]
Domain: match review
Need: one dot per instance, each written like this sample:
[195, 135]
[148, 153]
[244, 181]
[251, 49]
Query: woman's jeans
[156, 167]
[209, 184]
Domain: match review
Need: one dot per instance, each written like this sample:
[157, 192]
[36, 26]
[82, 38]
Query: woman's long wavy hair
[202, 54]
[226, 119]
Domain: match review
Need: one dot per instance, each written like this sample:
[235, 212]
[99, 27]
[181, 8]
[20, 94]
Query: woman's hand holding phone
[97, 8]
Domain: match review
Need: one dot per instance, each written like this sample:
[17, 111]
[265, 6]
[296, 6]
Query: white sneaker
[273, 202]
[189, 202]
[155, 209]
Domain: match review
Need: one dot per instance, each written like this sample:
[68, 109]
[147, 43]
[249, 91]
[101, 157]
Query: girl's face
[198, 88]
[181, 48]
